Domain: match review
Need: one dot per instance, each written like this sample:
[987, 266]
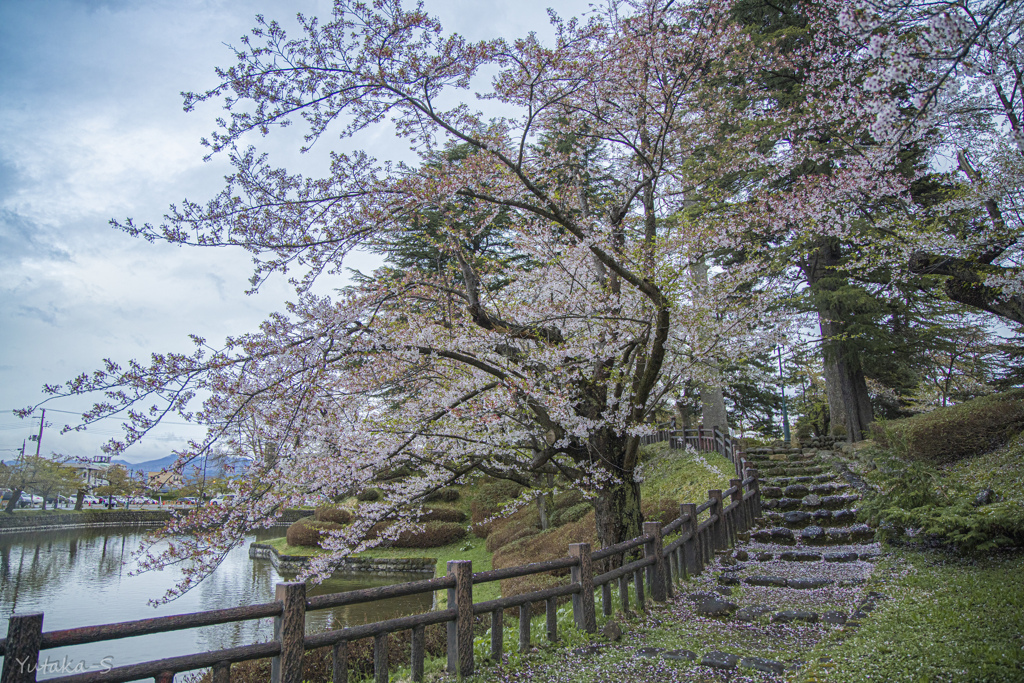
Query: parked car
[223, 500]
[188, 500]
[90, 500]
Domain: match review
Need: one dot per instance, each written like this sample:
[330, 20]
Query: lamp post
[785, 415]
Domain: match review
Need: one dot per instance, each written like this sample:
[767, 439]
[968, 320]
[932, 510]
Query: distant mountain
[214, 469]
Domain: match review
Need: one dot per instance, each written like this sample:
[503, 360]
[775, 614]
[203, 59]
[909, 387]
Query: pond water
[80, 577]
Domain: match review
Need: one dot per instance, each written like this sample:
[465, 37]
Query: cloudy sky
[92, 128]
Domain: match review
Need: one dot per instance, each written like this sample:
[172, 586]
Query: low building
[92, 471]
[163, 481]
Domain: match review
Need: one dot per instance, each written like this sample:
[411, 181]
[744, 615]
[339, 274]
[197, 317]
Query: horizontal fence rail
[654, 562]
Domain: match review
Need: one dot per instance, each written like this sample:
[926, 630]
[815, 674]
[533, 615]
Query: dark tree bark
[848, 399]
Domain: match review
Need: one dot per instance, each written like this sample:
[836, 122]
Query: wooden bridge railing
[661, 564]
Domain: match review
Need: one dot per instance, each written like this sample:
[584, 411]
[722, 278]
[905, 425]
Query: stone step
[798, 519]
[791, 470]
[799, 490]
[841, 556]
[781, 457]
[810, 503]
[815, 535]
[807, 479]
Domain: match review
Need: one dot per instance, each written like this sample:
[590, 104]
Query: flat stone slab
[720, 660]
[751, 612]
[813, 535]
[679, 655]
[697, 597]
[837, 502]
[796, 491]
[770, 581]
[792, 615]
[763, 665]
[715, 607]
[812, 500]
[809, 582]
[650, 651]
[800, 556]
[833, 618]
[840, 557]
[723, 590]
[796, 517]
[764, 557]
[729, 579]
[589, 650]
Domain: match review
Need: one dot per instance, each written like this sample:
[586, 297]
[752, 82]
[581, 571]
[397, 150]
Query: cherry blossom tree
[544, 355]
[951, 74]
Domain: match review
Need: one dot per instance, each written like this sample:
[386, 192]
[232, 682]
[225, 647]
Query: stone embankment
[21, 522]
[293, 564]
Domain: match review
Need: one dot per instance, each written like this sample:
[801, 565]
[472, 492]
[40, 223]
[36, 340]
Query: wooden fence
[666, 555]
[702, 439]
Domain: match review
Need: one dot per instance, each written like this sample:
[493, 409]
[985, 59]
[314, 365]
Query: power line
[114, 417]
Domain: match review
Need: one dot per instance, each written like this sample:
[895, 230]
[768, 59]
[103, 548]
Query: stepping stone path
[790, 580]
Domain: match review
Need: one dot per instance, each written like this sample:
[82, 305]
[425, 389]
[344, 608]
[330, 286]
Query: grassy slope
[948, 619]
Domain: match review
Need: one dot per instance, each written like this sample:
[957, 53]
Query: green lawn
[946, 619]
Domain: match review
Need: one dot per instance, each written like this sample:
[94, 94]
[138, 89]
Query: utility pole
[785, 415]
[39, 439]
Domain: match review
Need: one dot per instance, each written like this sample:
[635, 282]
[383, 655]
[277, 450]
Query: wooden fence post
[689, 548]
[339, 665]
[583, 574]
[525, 611]
[222, 672]
[755, 486]
[417, 655]
[718, 528]
[460, 634]
[551, 612]
[380, 658]
[735, 517]
[290, 631]
[653, 548]
[21, 656]
[497, 635]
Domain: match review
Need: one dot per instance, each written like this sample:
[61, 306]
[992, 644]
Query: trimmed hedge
[445, 495]
[335, 515]
[433, 535]
[307, 532]
[950, 434]
[443, 515]
[368, 496]
[491, 497]
[571, 514]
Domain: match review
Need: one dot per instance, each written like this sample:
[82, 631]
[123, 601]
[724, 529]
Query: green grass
[948, 619]
[674, 474]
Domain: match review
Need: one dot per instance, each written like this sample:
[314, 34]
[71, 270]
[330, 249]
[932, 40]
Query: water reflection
[80, 577]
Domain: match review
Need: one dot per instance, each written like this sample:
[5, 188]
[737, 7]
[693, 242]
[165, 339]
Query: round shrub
[509, 533]
[571, 514]
[433, 535]
[368, 496]
[445, 495]
[333, 514]
[569, 499]
[443, 515]
[307, 532]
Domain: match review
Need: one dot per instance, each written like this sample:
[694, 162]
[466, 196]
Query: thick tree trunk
[617, 514]
[79, 500]
[713, 413]
[13, 502]
[848, 399]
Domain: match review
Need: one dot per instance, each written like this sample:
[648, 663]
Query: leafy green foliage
[917, 499]
[949, 434]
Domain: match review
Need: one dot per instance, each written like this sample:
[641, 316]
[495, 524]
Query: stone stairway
[790, 580]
